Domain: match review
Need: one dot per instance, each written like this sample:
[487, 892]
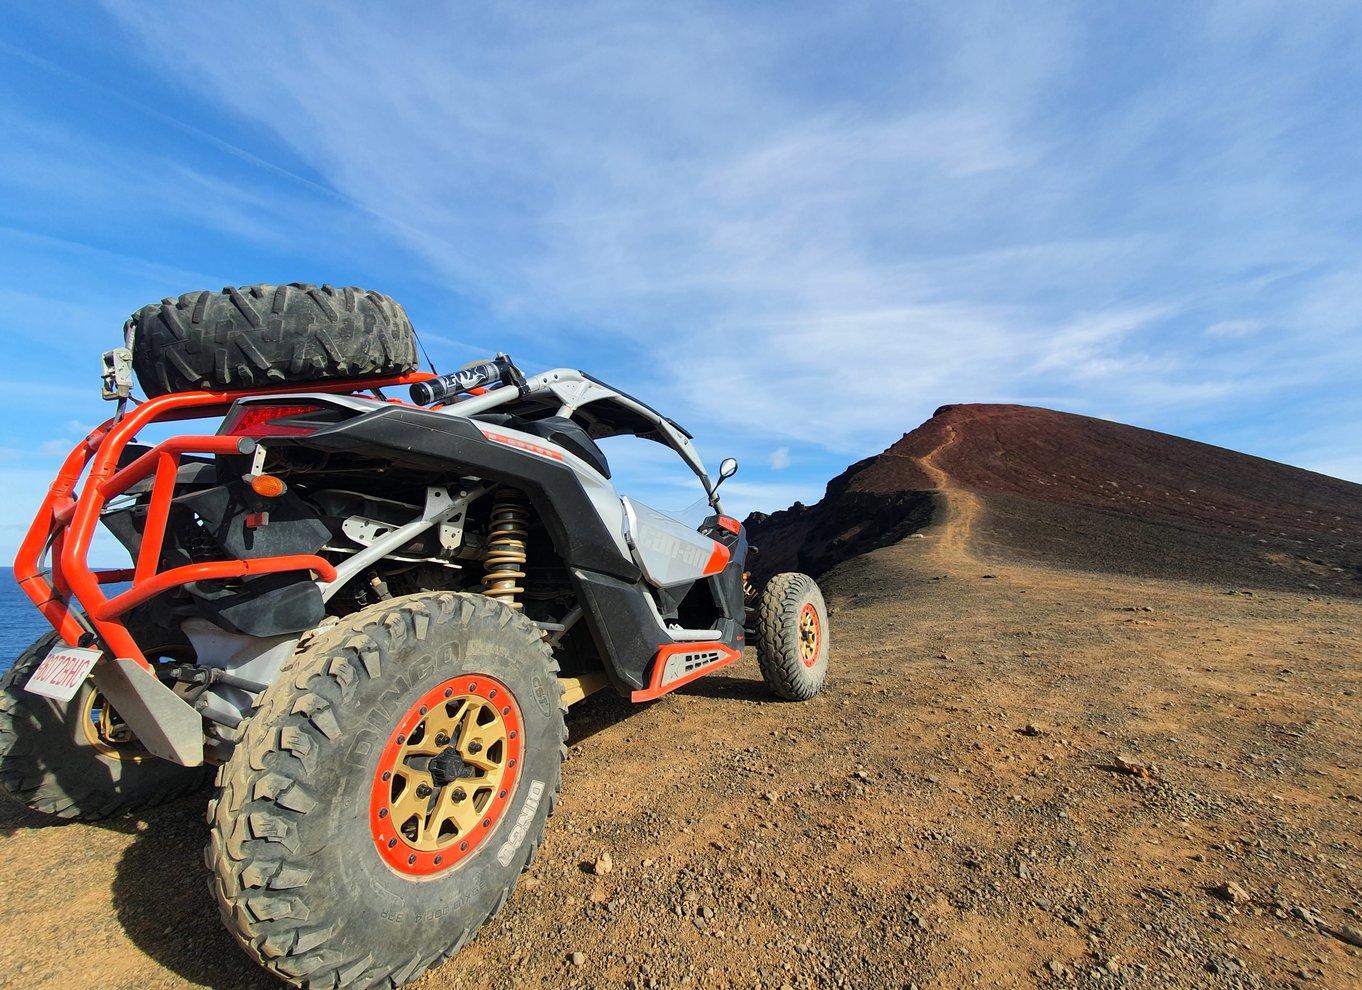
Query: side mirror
[727, 469]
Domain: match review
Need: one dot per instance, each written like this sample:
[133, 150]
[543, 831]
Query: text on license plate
[61, 674]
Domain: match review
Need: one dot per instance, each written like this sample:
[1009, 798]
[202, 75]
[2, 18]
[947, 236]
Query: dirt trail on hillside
[939, 477]
[951, 538]
[1017, 776]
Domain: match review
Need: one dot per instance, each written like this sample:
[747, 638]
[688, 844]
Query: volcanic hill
[1085, 493]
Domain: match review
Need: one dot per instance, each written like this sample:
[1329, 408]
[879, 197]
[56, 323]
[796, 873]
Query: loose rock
[1231, 892]
[1351, 935]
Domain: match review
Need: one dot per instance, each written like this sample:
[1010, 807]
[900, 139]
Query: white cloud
[1234, 328]
[780, 459]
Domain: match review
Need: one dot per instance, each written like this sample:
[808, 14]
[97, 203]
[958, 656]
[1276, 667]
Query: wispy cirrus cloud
[1234, 328]
[1002, 218]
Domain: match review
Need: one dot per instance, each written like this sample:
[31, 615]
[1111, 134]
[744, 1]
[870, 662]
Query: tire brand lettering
[541, 699]
[522, 824]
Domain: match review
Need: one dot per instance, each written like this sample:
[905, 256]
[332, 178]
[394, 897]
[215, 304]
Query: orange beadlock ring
[445, 777]
[810, 634]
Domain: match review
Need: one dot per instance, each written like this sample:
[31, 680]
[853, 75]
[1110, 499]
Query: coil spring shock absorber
[508, 530]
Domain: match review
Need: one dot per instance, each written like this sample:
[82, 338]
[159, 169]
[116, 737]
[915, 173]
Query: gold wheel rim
[107, 733]
[445, 778]
[808, 635]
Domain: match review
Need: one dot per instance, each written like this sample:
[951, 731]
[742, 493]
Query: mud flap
[163, 722]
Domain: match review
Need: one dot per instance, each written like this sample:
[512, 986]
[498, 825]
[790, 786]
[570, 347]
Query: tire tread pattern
[777, 644]
[254, 888]
[261, 336]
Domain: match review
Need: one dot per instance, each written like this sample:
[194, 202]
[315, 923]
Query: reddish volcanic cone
[1091, 493]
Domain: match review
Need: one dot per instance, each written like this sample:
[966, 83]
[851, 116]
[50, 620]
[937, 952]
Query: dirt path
[939, 477]
[951, 541]
[950, 812]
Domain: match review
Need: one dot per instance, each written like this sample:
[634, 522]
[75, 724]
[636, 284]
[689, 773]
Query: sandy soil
[1018, 776]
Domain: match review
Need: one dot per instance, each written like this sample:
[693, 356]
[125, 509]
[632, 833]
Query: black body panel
[622, 625]
[292, 527]
[555, 429]
[433, 443]
[625, 629]
[267, 605]
[209, 521]
[728, 583]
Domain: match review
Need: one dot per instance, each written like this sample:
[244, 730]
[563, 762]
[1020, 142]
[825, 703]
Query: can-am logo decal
[685, 553]
[522, 824]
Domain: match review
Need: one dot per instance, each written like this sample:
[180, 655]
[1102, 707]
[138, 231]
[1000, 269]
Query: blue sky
[797, 228]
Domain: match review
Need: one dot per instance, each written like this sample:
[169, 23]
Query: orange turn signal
[268, 485]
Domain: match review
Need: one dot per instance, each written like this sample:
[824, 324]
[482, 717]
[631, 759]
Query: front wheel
[792, 636]
[390, 790]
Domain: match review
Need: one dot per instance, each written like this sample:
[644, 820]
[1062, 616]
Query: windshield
[655, 475]
[694, 514]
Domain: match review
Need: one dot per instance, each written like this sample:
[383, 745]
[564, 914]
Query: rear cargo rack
[67, 520]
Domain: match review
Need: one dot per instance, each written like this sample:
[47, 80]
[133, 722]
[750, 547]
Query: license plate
[62, 673]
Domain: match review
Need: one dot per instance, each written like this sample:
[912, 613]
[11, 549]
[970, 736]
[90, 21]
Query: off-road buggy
[369, 612]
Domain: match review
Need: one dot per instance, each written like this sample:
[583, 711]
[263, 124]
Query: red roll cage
[67, 519]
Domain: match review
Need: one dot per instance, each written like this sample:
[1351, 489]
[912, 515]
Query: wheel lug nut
[441, 739]
[460, 794]
[475, 747]
[422, 790]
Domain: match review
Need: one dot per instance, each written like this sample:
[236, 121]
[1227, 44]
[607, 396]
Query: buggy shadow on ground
[14, 818]
[748, 687]
[161, 898]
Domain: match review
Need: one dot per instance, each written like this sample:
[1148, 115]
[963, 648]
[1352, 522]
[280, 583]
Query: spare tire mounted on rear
[262, 336]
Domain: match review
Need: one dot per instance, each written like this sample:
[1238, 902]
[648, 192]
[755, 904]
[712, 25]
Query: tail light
[261, 420]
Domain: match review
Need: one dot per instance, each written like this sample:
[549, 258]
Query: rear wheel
[77, 759]
[268, 335]
[792, 636]
[389, 791]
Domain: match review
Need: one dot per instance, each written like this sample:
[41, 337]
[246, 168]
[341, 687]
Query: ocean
[20, 622]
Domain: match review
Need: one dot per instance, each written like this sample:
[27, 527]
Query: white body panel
[597, 487]
[667, 551]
